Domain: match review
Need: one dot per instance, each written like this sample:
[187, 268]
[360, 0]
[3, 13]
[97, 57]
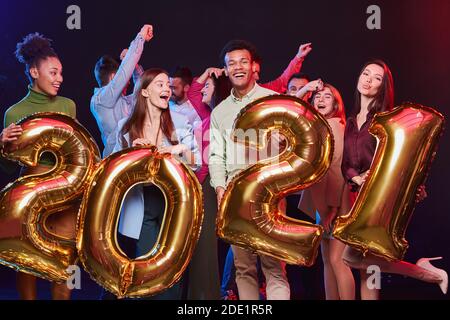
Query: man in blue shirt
[109, 104]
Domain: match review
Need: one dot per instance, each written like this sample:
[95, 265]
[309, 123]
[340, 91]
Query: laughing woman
[152, 123]
[330, 198]
[44, 71]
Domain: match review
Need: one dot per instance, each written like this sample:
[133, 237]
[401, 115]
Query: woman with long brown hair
[375, 93]
[152, 123]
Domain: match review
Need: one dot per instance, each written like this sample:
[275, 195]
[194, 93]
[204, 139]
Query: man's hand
[304, 50]
[147, 32]
[310, 87]
[123, 54]
[220, 191]
[315, 85]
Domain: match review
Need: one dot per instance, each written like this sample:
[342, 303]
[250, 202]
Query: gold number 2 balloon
[97, 244]
[249, 216]
[26, 243]
[407, 142]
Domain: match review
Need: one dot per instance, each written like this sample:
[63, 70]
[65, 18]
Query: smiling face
[240, 69]
[47, 76]
[158, 92]
[207, 91]
[370, 80]
[324, 102]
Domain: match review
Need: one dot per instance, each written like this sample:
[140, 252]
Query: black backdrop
[414, 40]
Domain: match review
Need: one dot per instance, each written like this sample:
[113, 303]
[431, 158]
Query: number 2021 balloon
[43, 192]
[407, 141]
[249, 216]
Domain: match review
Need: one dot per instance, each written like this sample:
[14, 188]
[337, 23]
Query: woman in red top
[375, 93]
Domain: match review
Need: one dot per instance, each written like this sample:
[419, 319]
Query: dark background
[414, 41]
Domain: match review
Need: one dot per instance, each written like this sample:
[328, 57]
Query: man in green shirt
[228, 158]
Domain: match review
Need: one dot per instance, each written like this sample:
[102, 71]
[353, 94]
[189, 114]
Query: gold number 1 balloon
[97, 244]
[407, 141]
[249, 216]
[26, 243]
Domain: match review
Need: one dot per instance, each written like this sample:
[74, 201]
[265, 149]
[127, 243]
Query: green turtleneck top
[35, 102]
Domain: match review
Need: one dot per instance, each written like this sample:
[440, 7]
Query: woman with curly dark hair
[44, 71]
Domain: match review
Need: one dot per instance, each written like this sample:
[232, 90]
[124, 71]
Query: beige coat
[331, 191]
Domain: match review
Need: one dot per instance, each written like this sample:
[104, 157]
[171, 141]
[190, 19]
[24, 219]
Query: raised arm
[195, 95]
[280, 84]
[112, 91]
[138, 70]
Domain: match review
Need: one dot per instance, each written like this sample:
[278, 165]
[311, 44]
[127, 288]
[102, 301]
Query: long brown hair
[222, 89]
[384, 99]
[135, 123]
[338, 103]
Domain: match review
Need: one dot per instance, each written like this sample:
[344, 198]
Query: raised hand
[315, 85]
[147, 32]
[304, 50]
[209, 73]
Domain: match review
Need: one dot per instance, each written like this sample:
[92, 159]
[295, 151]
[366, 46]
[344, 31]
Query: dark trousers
[154, 206]
[203, 275]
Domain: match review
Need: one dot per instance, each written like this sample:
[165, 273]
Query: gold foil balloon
[407, 142]
[249, 216]
[97, 244]
[26, 242]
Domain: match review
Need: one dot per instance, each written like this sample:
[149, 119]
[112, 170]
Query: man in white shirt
[180, 82]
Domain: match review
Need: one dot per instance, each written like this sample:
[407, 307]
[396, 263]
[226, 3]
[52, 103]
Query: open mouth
[165, 97]
[239, 75]
[56, 86]
[321, 106]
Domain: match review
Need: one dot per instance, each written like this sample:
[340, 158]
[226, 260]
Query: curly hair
[33, 49]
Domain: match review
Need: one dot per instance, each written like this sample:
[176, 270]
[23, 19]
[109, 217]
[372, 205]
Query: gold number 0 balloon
[248, 215]
[25, 242]
[407, 142]
[99, 251]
